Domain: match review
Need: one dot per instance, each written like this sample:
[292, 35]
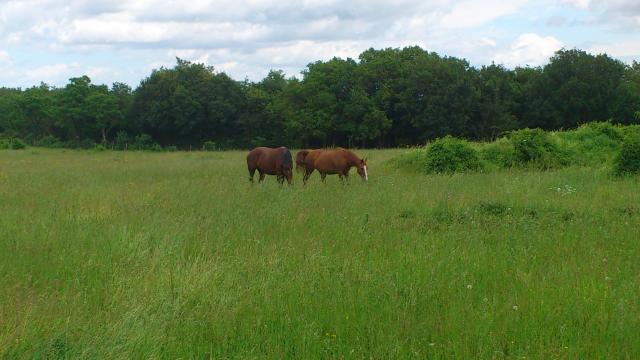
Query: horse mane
[350, 156]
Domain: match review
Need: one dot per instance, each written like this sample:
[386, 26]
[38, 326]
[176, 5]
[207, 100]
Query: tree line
[386, 98]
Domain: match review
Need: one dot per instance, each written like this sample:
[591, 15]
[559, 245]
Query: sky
[118, 40]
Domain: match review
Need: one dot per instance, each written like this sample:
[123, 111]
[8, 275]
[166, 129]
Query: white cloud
[5, 58]
[109, 38]
[580, 4]
[53, 73]
[473, 13]
[531, 49]
[625, 49]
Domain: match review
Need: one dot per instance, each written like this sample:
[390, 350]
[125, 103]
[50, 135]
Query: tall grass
[175, 255]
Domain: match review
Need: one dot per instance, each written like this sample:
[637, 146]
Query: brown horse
[333, 161]
[270, 162]
[305, 160]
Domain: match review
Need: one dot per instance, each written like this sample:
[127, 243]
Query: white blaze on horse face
[366, 175]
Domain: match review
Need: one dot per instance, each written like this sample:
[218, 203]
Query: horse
[270, 162]
[334, 161]
[305, 160]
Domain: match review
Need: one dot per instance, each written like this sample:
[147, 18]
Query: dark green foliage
[627, 162]
[12, 144]
[536, 148]
[49, 141]
[389, 97]
[450, 155]
[121, 141]
[143, 142]
[209, 146]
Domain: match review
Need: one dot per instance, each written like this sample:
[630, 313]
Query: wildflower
[485, 300]
[515, 307]
[469, 286]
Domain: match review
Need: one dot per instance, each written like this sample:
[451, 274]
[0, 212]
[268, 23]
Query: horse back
[332, 160]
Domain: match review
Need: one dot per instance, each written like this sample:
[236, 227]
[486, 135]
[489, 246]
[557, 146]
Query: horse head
[362, 169]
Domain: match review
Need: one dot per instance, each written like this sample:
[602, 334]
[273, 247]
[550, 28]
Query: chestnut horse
[270, 162]
[332, 161]
[305, 160]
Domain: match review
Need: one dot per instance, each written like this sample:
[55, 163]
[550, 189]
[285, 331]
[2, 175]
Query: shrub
[143, 142]
[12, 144]
[593, 143]
[209, 146]
[99, 147]
[627, 162]
[121, 140]
[449, 155]
[499, 152]
[84, 144]
[49, 141]
[534, 147]
[170, 148]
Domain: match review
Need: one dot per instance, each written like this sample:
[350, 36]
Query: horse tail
[300, 156]
[287, 161]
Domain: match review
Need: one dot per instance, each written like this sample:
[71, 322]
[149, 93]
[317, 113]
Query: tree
[494, 112]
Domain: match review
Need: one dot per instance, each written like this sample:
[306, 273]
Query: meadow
[174, 255]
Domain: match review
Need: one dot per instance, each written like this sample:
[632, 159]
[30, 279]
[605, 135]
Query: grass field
[174, 255]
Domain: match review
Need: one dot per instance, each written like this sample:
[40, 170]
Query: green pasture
[127, 255]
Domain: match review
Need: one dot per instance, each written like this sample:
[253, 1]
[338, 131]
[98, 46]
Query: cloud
[53, 73]
[623, 49]
[531, 49]
[57, 39]
[580, 4]
[5, 58]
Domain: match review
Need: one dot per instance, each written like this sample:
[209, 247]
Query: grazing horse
[270, 162]
[305, 160]
[334, 161]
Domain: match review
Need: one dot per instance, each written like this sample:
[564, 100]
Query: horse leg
[306, 176]
[251, 172]
[323, 176]
[261, 176]
[280, 179]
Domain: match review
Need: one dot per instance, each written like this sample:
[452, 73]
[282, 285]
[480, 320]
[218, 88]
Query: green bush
[449, 155]
[170, 148]
[593, 143]
[12, 144]
[627, 162]
[49, 141]
[209, 146]
[534, 147]
[121, 141]
[143, 142]
[99, 147]
[499, 152]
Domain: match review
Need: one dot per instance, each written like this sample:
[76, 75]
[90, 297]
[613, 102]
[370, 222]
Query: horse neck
[352, 159]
